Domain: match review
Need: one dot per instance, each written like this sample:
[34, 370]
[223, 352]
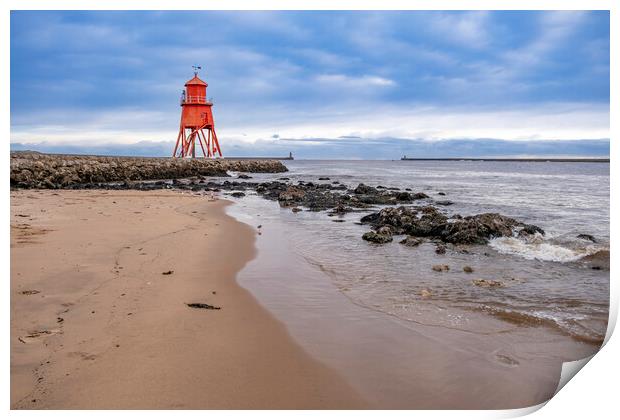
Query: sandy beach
[100, 282]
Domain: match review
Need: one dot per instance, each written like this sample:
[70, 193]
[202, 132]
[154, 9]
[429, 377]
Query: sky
[341, 85]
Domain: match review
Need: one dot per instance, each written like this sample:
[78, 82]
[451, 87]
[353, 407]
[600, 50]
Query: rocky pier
[39, 170]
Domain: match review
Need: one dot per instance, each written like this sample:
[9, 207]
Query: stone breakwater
[38, 170]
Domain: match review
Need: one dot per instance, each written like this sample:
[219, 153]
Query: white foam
[537, 250]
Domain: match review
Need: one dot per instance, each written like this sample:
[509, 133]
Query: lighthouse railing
[194, 100]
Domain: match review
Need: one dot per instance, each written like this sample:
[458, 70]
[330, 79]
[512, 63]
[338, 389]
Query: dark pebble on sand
[29, 292]
[202, 306]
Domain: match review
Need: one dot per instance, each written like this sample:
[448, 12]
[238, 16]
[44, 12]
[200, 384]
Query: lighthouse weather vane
[197, 124]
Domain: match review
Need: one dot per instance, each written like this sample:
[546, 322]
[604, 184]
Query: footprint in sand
[506, 360]
[37, 335]
[83, 355]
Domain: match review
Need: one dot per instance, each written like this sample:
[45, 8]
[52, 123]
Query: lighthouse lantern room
[196, 121]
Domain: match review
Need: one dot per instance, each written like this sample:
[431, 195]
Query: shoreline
[95, 322]
[396, 363]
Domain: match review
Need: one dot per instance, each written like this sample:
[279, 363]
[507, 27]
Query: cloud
[555, 29]
[353, 81]
[307, 75]
[366, 120]
[469, 29]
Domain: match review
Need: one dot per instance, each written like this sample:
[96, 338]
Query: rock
[291, 194]
[244, 176]
[238, 194]
[339, 209]
[444, 202]
[440, 267]
[425, 293]
[487, 283]
[587, 237]
[371, 218]
[411, 241]
[468, 269]
[480, 228]
[385, 230]
[421, 222]
[365, 189]
[295, 209]
[323, 178]
[376, 237]
[440, 249]
[530, 230]
[419, 196]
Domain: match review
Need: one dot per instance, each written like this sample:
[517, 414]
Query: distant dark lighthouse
[196, 116]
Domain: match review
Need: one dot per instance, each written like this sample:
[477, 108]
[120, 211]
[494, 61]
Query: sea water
[544, 282]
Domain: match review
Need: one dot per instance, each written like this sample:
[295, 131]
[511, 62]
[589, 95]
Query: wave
[570, 325]
[541, 250]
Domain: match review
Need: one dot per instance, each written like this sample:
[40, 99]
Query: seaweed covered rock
[429, 222]
[377, 238]
[411, 241]
[291, 194]
[473, 230]
[365, 189]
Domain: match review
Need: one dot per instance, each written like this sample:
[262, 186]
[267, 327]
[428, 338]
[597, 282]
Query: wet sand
[478, 363]
[96, 324]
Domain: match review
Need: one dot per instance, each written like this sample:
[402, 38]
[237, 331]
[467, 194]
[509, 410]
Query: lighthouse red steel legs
[196, 117]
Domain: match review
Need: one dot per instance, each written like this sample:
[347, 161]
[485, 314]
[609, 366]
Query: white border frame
[591, 395]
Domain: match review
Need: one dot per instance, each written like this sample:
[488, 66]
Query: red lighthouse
[196, 116]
